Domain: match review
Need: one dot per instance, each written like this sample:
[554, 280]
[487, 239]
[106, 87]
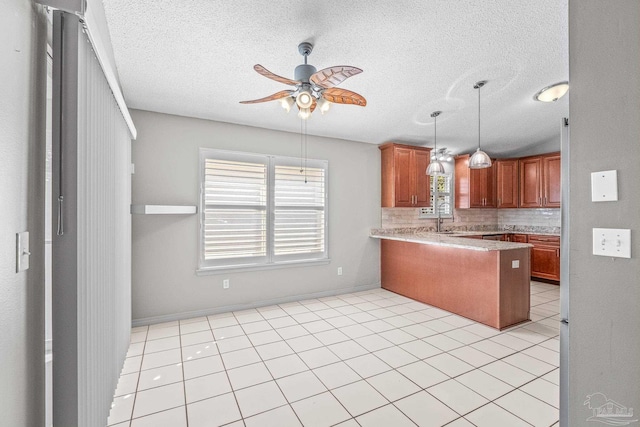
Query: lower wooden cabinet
[519, 238]
[545, 256]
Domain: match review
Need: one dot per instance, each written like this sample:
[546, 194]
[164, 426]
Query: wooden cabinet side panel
[530, 182]
[387, 180]
[515, 295]
[551, 180]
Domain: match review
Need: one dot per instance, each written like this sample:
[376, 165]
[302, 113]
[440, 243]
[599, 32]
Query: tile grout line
[350, 338]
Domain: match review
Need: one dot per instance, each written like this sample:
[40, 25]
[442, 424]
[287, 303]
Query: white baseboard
[237, 307]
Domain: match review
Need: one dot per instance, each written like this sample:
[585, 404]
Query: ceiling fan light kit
[479, 159]
[312, 88]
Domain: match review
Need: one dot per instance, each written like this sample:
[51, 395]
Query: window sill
[247, 268]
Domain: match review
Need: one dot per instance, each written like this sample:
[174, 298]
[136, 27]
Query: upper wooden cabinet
[551, 167]
[540, 181]
[405, 182]
[506, 183]
[475, 188]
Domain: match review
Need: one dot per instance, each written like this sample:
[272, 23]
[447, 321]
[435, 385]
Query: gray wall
[604, 313]
[22, 179]
[165, 247]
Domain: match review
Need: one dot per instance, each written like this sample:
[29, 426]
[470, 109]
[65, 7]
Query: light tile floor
[367, 359]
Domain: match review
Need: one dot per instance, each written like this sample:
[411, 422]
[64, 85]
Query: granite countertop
[454, 240]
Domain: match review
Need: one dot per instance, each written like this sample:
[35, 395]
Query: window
[260, 210]
[442, 194]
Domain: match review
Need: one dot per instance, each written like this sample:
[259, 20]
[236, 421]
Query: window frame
[271, 261]
[430, 212]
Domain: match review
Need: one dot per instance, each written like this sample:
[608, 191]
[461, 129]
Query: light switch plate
[515, 263]
[22, 251]
[612, 242]
[604, 186]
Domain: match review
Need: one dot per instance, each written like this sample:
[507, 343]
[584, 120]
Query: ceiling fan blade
[343, 96]
[277, 95]
[263, 71]
[333, 76]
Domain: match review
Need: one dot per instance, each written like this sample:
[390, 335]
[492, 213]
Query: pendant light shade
[435, 167]
[479, 159]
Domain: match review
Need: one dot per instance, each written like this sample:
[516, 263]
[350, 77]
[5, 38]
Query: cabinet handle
[498, 201]
[558, 253]
[545, 201]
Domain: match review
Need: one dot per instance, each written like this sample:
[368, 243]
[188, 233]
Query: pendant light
[435, 167]
[479, 159]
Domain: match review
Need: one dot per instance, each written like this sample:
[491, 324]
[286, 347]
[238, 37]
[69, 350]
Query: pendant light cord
[479, 88]
[303, 148]
[435, 135]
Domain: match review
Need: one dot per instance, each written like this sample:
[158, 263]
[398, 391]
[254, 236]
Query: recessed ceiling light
[552, 93]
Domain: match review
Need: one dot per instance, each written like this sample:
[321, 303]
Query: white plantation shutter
[261, 210]
[235, 210]
[299, 212]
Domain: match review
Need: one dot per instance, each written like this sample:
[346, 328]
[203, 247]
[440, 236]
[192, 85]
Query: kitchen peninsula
[484, 280]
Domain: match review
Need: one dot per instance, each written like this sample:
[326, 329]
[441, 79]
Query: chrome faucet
[440, 220]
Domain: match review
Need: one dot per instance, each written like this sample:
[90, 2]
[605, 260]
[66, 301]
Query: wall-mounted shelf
[163, 210]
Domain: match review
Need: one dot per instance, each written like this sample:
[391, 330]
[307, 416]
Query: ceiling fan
[312, 88]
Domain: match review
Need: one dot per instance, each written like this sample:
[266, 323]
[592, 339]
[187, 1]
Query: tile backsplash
[476, 219]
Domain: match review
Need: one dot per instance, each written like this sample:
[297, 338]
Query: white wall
[165, 248]
[604, 313]
[22, 170]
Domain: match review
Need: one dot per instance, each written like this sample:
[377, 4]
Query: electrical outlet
[225, 284]
[339, 271]
[515, 263]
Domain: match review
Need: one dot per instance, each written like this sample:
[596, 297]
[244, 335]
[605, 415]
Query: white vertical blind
[104, 239]
[259, 209]
[92, 250]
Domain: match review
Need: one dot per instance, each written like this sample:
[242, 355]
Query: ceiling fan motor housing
[303, 72]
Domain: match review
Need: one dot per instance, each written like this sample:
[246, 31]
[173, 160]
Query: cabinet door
[422, 183]
[507, 183]
[462, 187]
[551, 167]
[404, 177]
[531, 182]
[490, 186]
[481, 188]
[545, 262]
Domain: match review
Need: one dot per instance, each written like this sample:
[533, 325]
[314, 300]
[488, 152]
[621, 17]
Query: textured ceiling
[195, 58]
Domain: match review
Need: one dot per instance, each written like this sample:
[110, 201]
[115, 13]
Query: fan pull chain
[305, 151]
